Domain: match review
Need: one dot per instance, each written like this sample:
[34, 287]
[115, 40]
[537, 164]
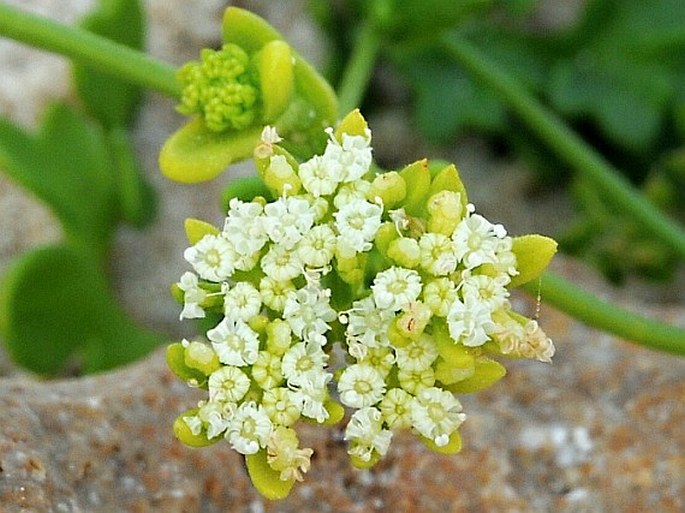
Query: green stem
[88, 48]
[608, 181]
[359, 68]
[596, 313]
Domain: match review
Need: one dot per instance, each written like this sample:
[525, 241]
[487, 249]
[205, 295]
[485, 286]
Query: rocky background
[602, 429]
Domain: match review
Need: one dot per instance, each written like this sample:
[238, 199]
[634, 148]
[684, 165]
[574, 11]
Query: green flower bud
[412, 322]
[176, 360]
[281, 177]
[405, 252]
[445, 210]
[390, 187]
[384, 237]
[201, 357]
[278, 337]
[397, 334]
[221, 88]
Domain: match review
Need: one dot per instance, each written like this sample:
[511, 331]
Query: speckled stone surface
[602, 429]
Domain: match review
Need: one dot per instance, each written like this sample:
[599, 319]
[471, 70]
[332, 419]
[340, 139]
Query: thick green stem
[359, 68]
[571, 148]
[88, 48]
[596, 313]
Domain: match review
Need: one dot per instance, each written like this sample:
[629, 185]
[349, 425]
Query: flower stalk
[85, 47]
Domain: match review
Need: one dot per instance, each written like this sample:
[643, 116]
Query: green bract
[396, 268]
[256, 78]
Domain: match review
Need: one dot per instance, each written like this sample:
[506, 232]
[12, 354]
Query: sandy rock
[599, 430]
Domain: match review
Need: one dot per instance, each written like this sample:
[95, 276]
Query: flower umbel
[400, 273]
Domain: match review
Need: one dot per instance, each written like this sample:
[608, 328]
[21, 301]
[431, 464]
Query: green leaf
[56, 306]
[137, 198]
[533, 255]
[110, 100]
[67, 165]
[196, 154]
[487, 373]
[245, 188]
[452, 447]
[625, 68]
[266, 480]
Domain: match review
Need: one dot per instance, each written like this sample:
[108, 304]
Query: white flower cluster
[407, 289]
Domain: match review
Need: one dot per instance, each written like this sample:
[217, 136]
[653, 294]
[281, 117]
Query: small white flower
[536, 344]
[286, 220]
[380, 358]
[274, 293]
[270, 135]
[193, 296]
[357, 224]
[249, 428]
[244, 227]
[350, 192]
[284, 456]
[194, 423]
[281, 264]
[361, 385]
[470, 322]
[354, 155]
[365, 434]
[418, 354]
[396, 407]
[234, 342]
[312, 390]
[476, 241]
[212, 257]
[508, 333]
[214, 417]
[320, 176]
[317, 247]
[437, 254]
[396, 287]
[242, 302]
[486, 289]
[302, 359]
[368, 324]
[436, 414]
[284, 406]
[308, 313]
[439, 294]
[228, 385]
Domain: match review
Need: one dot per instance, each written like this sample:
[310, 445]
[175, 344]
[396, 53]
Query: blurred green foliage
[56, 308]
[616, 74]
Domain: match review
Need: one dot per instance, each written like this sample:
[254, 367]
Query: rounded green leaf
[185, 435]
[418, 178]
[276, 79]
[247, 30]
[266, 480]
[196, 154]
[487, 372]
[533, 255]
[452, 447]
[245, 188]
[196, 229]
